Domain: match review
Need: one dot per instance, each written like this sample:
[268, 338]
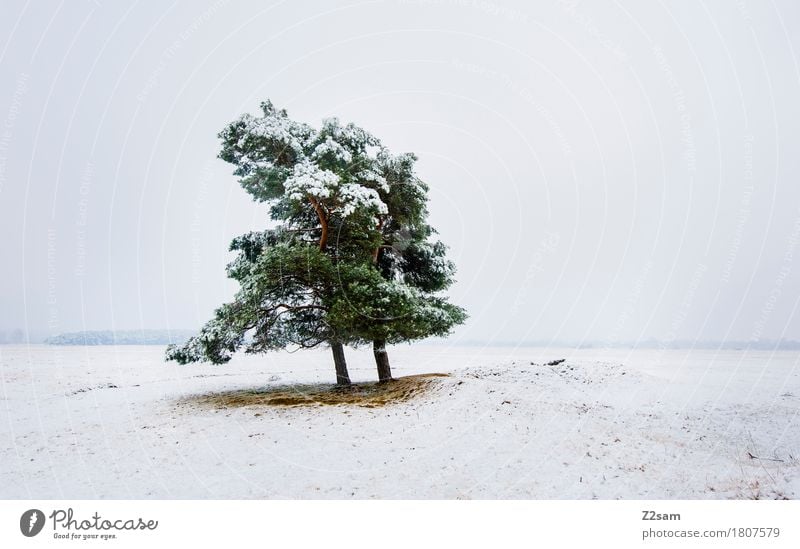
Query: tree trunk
[342, 377]
[382, 360]
[323, 221]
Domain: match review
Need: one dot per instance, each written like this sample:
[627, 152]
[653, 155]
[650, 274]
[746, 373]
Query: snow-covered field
[113, 422]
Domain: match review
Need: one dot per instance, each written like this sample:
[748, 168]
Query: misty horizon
[163, 336]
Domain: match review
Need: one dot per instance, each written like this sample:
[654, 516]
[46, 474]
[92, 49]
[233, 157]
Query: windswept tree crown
[352, 258]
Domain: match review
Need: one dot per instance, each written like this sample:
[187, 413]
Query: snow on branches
[350, 258]
[308, 181]
[336, 170]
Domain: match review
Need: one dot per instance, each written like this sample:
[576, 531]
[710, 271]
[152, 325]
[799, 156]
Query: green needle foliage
[351, 261]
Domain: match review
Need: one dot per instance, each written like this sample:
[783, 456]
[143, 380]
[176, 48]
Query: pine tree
[326, 275]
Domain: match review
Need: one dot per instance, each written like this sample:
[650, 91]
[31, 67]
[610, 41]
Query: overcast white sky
[601, 170]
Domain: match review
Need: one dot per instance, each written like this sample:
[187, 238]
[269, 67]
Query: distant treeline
[121, 337]
[12, 336]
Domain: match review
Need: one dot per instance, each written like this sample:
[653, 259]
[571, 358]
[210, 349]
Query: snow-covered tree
[350, 260]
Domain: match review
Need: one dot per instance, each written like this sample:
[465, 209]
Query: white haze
[606, 171]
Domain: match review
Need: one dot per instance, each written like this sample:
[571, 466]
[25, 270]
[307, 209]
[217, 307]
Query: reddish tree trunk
[323, 221]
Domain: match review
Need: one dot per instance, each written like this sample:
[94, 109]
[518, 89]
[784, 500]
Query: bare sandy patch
[364, 395]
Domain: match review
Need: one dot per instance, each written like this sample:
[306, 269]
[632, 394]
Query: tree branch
[323, 220]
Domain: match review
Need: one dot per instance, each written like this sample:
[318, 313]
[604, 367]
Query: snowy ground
[111, 422]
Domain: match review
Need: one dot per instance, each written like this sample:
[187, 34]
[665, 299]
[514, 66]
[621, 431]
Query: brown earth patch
[365, 395]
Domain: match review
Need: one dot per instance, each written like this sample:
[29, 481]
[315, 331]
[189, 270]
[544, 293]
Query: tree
[338, 198]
